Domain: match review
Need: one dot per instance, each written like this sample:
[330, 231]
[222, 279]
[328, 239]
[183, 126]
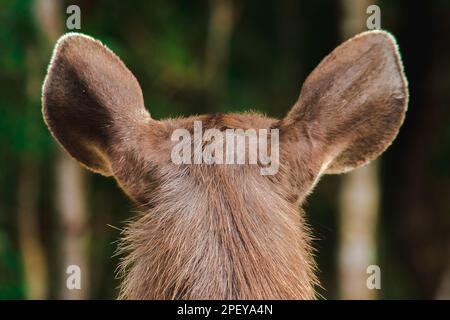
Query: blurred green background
[220, 56]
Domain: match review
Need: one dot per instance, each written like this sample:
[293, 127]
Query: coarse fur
[223, 231]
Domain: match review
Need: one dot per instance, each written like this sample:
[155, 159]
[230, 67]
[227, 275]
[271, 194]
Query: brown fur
[222, 231]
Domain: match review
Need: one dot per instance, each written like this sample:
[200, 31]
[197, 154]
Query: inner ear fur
[90, 100]
[352, 105]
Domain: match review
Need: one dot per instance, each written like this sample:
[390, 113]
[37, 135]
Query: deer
[218, 231]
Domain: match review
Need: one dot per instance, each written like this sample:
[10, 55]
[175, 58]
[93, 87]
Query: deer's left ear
[91, 102]
[352, 105]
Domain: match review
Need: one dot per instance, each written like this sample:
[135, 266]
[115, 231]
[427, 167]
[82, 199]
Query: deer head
[221, 231]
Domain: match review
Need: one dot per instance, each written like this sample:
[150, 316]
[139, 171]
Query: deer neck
[217, 242]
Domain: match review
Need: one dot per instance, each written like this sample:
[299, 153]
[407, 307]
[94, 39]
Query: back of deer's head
[213, 230]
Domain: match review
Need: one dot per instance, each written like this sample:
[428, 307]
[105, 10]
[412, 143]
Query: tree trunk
[69, 195]
[70, 206]
[359, 203]
[221, 23]
[359, 197]
[31, 248]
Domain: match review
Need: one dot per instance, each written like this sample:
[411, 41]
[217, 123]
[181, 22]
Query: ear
[352, 105]
[90, 100]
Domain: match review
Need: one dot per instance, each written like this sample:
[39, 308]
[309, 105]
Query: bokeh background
[221, 56]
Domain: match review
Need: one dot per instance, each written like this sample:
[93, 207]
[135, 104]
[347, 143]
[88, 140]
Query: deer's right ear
[351, 106]
[89, 100]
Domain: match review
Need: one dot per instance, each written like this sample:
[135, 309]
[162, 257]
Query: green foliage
[11, 286]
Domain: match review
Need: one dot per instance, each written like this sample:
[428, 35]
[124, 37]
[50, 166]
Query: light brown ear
[352, 105]
[89, 98]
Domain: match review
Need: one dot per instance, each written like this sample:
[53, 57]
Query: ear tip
[377, 34]
[64, 44]
[73, 42]
[69, 42]
[388, 43]
[384, 38]
[72, 37]
[68, 48]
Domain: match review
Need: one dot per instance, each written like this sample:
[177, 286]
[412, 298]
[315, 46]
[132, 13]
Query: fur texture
[223, 231]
